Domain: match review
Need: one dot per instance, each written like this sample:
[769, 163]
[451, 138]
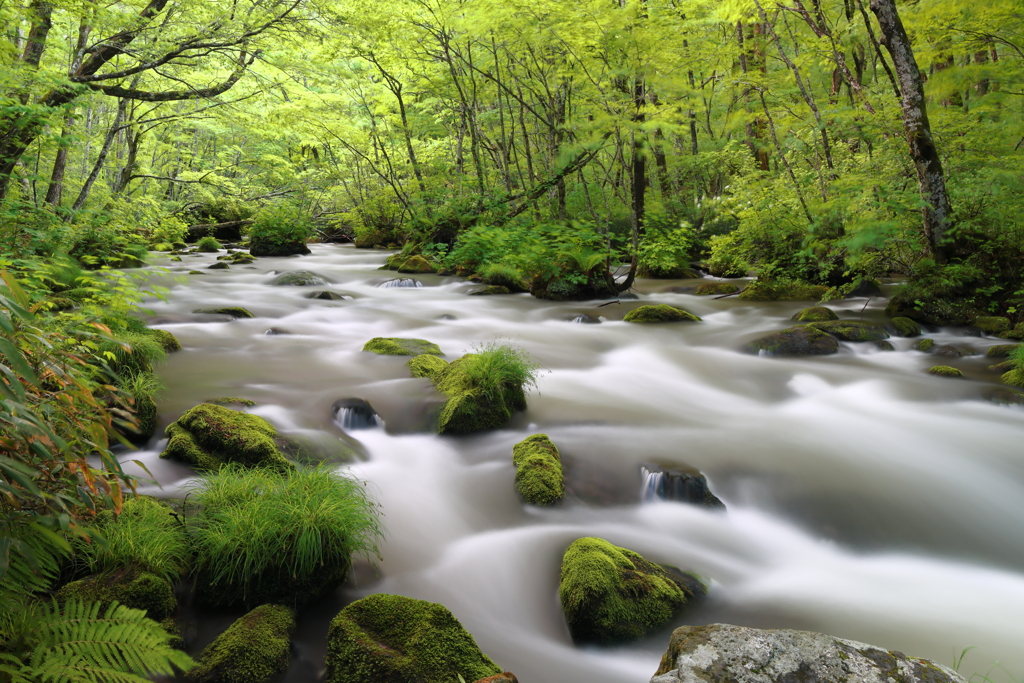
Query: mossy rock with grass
[795, 341]
[129, 586]
[538, 466]
[661, 313]
[716, 288]
[416, 264]
[167, 340]
[208, 244]
[852, 330]
[208, 436]
[394, 262]
[1016, 333]
[944, 371]
[491, 289]
[905, 327]
[254, 649]
[429, 366]
[1001, 350]
[925, 345]
[815, 314]
[470, 408]
[992, 324]
[233, 311]
[611, 595]
[1015, 377]
[759, 290]
[395, 639]
[399, 346]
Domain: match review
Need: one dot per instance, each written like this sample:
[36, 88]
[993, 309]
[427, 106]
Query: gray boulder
[721, 653]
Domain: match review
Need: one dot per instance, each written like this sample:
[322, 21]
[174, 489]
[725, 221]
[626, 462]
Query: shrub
[281, 224]
[263, 537]
[208, 244]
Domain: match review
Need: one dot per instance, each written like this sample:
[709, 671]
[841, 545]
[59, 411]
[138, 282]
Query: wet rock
[326, 295]
[299, 278]
[236, 257]
[1000, 350]
[355, 413]
[905, 327]
[259, 247]
[208, 435]
[852, 330]
[538, 470]
[789, 291]
[585, 319]
[611, 595]
[662, 313]
[716, 288]
[944, 371]
[883, 345]
[925, 345]
[865, 287]
[394, 638]
[628, 296]
[254, 649]
[677, 483]
[273, 331]
[196, 272]
[416, 264]
[398, 346]
[722, 653]
[233, 311]
[429, 366]
[129, 586]
[947, 351]
[795, 341]
[219, 265]
[1016, 333]
[469, 409]
[401, 282]
[167, 340]
[992, 324]
[815, 314]
[1003, 396]
[489, 290]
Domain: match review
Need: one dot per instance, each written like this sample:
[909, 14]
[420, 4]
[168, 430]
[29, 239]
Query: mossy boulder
[905, 327]
[947, 351]
[716, 288]
[491, 289]
[132, 587]
[852, 330]
[944, 371]
[1016, 333]
[883, 345]
[416, 264]
[299, 278]
[611, 595]
[929, 309]
[815, 314]
[426, 365]
[925, 345]
[254, 649]
[267, 247]
[662, 313]
[395, 639]
[769, 290]
[538, 470]
[1000, 350]
[144, 410]
[233, 311]
[207, 436]
[469, 408]
[167, 340]
[219, 265]
[795, 341]
[398, 346]
[992, 324]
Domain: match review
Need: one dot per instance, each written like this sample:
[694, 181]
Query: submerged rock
[905, 327]
[716, 288]
[401, 282]
[208, 435]
[491, 289]
[299, 278]
[538, 470]
[852, 330]
[585, 319]
[675, 483]
[662, 313]
[795, 341]
[326, 295]
[399, 346]
[355, 413]
[130, 586]
[233, 311]
[611, 595]
[722, 653]
[254, 649]
[1003, 396]
[947, 351]
[394, 638]
[815, 314]
[883, 345]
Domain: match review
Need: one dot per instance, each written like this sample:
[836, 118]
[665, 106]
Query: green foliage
[281, 224]
[502, 275]
[665, 249]
[263, 536]
[208, 244]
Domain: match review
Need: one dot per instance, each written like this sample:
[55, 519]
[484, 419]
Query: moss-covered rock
[611, 594]
[219, 265]
[852, 330]
[144, 410]
[254, 649]
[269, 247]
[468, 408]
[905, 327]
[538, 470]
[767, 290]
[716, 288]
[662, 313]
[177, 640]
[992, 324]
[398, 346]
[416, 264]
[395, 639]
[491, 289]
[944, 371]
[925, 345]
[207, 436]
[228, 400]
[299, 278]
[167, 340]
[326, 295]
[233, 311]
[426, 365]
[1000, 350]
[132, 587]
[815, 314]
[1015, 377]
[884, 345]
[1016, 333]
[947, 351]
[795, 341]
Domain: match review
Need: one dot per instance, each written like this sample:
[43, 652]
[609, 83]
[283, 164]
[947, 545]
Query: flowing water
[865, 498]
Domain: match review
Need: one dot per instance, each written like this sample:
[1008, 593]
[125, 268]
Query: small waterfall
[585, 319]
[401, 282]
[355, 413]
[677, 484]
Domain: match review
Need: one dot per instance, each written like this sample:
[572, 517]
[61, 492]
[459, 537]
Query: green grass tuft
[208, 244]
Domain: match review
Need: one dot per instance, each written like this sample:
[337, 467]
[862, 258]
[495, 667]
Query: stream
[865, 498]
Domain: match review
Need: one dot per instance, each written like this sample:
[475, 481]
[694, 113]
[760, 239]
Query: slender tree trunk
[938, 211]
[60, 163]
[83, 195]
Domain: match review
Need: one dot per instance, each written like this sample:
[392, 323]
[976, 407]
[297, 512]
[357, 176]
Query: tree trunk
[60, 163]
[937, 212]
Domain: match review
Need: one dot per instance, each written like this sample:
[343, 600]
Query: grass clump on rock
[208, 244]
[485, 388]
[266, 537]
[815, 314]
[538, 470]
[254, 649]
[398, 346]
[611, 594]
[209, 436]
[662, 313]
[394, 638]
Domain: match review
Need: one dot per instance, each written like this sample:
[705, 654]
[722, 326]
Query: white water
[865, 498]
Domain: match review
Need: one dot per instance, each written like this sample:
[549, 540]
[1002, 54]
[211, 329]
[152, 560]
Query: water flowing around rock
[355, 413]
